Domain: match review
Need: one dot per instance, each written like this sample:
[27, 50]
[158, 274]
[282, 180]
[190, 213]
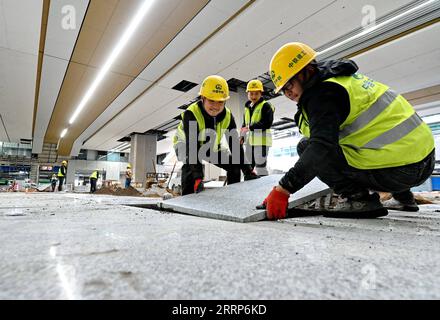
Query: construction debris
[118, 191]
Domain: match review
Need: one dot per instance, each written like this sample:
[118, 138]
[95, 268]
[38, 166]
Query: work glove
[198, 186]
[275, 204]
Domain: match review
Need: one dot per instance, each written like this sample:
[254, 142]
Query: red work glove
[198, 186]
[276, 204]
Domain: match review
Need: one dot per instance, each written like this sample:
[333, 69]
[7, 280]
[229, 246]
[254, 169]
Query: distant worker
[208, 131]
[53, 182]
[128, 176]
[93, 179]
[62, 172]
[255, 131]
[360, 136]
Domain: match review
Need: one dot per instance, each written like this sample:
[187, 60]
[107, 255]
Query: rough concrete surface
[237, 202]
[63, 246]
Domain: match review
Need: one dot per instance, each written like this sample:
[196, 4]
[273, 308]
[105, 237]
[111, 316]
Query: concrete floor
[71, 246]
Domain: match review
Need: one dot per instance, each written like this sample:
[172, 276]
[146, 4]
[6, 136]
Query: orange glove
[198, 186]
[276, 204]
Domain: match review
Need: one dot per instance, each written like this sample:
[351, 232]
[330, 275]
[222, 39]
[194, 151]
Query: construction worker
[360, 136]
[93, 179]
[128, 176]
[255, 131]
[53, 182]
[62, 172]
[208, 131]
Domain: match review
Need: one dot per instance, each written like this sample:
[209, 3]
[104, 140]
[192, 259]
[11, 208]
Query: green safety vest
[220, 128]
[382, 129]
[94, 175]
[59, 173]
[258, 137]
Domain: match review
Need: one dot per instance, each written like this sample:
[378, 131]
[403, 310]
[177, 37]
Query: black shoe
[394, 204]
[357, 206]
[251, 176]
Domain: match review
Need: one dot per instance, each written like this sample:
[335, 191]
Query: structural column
[143, 156]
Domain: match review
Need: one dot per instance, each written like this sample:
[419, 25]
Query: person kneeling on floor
[360, 135]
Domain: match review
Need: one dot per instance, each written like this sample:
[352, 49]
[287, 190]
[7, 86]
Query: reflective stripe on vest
[382, 129]
[220, 128]
[257, 137]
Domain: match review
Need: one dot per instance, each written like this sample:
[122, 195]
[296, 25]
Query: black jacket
[210, 123]
[266, 116]
[327, 105]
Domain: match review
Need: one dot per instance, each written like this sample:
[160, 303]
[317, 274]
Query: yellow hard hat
[255, 85]
[64, 162]
[288, 61]
[215, 88]
[128, 166]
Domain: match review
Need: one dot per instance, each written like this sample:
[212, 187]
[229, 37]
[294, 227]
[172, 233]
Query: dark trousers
[257, 155]
[61, 182]
[93, 185]
[54, 185]
[346, 180]
[233, 172]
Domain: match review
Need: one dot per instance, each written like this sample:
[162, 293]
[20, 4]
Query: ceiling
[177, 40]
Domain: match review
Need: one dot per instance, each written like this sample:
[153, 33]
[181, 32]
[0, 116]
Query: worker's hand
[198, 186]
[241, 140]
[244, 130]
[276, 203]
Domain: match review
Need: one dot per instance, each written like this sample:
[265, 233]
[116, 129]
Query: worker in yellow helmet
[360, 135]
[128, 176]
[255, 131]
[208, 132]
[62, 172]
[93, 180]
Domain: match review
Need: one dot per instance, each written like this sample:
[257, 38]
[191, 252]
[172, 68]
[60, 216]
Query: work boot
[359, 205]
[250, 175]
[394, 204]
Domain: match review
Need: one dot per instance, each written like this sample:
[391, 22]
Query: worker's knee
[302, 146]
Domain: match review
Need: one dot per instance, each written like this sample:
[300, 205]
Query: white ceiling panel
[20, 25]
[52, 76]
[60, 41]
[20, 22]
[58, 50]
[406, 64]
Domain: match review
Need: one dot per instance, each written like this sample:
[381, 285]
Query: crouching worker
[208, 132]
[361, 137]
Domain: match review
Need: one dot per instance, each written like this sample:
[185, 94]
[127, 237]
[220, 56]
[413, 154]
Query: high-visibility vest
[94, 175]
[60, 174]
[220, 128]
[382, 129]
[257, 137]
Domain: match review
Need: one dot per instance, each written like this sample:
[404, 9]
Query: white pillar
[142, 156]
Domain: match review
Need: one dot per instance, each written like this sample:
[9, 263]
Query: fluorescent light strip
[63, 134]
[113, 56]
[369, 30]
